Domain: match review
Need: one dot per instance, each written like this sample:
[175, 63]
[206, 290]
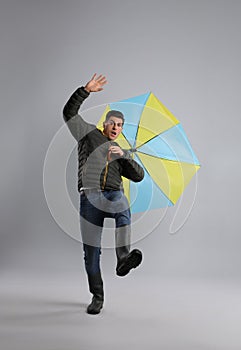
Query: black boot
[126, 260]
[96, 288]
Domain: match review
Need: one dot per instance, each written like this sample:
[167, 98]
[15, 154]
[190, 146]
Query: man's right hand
[96, 84]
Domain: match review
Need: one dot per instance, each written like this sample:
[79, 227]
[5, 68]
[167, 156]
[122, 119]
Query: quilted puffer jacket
[94, 168]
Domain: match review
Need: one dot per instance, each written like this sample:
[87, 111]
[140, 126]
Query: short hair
[114, 113]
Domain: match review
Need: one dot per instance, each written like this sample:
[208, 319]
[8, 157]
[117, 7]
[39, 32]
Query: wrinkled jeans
[94, 208]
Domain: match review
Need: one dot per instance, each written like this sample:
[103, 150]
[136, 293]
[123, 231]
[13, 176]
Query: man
[101, 165]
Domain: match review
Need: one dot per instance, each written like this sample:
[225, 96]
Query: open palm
[96, 83]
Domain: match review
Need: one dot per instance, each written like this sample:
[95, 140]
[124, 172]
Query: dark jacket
[94, 170]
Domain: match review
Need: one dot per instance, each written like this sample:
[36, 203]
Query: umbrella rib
[157, 157]
[152, 138]
[126, 140]
[139, 125]
[148, 139]
[169, 160]
[154, 180]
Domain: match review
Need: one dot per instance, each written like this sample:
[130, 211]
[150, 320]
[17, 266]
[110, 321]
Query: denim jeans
[94, 208]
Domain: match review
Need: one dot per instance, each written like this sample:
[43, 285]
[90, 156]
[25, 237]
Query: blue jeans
[94, 208]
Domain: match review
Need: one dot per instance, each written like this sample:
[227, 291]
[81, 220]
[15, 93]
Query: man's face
[112, 127]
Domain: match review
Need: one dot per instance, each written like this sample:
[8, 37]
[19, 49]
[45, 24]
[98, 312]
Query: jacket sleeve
[130, 168]
[76, 124]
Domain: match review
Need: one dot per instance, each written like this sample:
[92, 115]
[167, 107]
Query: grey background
[186, 294]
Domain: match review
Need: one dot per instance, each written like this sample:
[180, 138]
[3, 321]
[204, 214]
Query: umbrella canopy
[159, 144]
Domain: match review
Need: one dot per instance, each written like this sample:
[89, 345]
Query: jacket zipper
[106, 170]
[105, 175]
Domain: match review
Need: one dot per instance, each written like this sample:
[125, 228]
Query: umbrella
[157, 141]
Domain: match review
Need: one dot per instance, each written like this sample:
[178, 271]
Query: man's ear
[104, 126]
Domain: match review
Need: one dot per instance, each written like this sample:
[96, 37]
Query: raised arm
[76, 124]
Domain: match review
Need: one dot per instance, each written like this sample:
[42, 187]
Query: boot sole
[133, 260]
[94, 310]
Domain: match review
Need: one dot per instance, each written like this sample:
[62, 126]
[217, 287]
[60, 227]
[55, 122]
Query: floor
[48, 312]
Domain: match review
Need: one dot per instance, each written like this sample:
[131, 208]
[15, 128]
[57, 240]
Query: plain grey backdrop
[186, 294]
